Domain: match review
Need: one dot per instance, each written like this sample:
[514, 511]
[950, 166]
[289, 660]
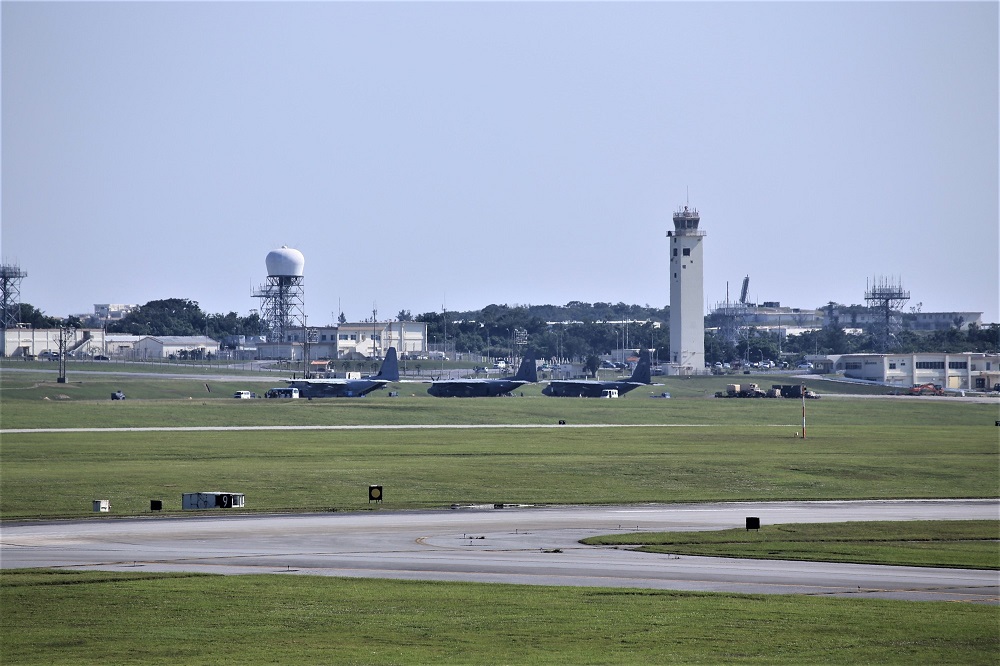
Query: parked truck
[741, 391]
[793, 391]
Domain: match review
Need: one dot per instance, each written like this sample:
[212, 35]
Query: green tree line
[575, 331]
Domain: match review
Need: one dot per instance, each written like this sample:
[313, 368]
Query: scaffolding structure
[885, 299]
[734, 317]
[10, 295]
[282, 305]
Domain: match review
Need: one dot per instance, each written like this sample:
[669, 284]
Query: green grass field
[59, 617]
[689, 448]
[920, 543]
[34, 382]
[701, 450]
[35, 400]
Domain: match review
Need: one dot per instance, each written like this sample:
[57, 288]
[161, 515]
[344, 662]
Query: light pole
[510, 353]
[64, 332]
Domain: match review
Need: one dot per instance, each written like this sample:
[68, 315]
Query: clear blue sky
[421, 154]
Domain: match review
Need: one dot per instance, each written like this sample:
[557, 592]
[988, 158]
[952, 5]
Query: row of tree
[178, 316]
[761, 345]
[172, 316]
[576, 330]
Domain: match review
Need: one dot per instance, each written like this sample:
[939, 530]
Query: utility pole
[444, 318]
[64, 332]
[374, 319]
[802, 390]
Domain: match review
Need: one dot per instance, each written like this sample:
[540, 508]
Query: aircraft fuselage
[474, 388]
[570, 389]
[350, 388]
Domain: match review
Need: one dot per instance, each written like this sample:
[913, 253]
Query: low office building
[176, 346]
[26, 342]
[349, 340]
[373, 339]
[322, 344]
[121, 345]
[968, 371]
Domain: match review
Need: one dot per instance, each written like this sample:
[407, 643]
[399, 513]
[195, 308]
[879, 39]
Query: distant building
[176, 346]
[965, 371]
[914, 321]
[772, 317]
[370, 339]
[120, 345]
[775, 316]
[349, 340]
[113, 311]
[291, 346]
[26, 342]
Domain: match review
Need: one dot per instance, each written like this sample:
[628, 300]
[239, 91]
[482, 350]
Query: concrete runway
[522, 545]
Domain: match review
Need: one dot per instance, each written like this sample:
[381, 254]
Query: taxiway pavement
[523, 545]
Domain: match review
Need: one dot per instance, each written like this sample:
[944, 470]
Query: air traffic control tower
[687, 313]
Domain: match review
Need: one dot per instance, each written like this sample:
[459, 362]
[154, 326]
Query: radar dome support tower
[282, 304]
[687, 313]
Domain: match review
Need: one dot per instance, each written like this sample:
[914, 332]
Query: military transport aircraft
[480, 388]
[349, 388]
[562, 388]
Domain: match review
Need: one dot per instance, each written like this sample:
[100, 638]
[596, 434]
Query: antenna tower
[10, 295]
[734, 317]
[885, 300]
[281, 305]
[282, 299]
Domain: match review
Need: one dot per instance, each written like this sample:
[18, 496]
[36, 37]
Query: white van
[609, 393]
[242, 395]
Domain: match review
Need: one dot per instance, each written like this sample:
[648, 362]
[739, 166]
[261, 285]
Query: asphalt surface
[521, 545]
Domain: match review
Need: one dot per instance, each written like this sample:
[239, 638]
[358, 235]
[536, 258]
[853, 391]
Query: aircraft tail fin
[527, 372]
[642, 373]
[390, 367]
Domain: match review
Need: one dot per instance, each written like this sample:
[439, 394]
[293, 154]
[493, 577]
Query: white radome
[285, 261]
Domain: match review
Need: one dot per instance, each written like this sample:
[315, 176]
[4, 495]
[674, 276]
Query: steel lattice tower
[282, 302]
[885, 300]
[281, 305]
[10, 295]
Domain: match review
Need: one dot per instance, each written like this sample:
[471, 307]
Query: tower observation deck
[686, 223]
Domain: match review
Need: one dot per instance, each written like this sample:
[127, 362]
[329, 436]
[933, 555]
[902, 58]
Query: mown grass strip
[970, 544]
[33, 401]
[153, 619]
[60, 474]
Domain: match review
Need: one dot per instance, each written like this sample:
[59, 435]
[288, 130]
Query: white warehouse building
[965, 371]
[167, 346]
